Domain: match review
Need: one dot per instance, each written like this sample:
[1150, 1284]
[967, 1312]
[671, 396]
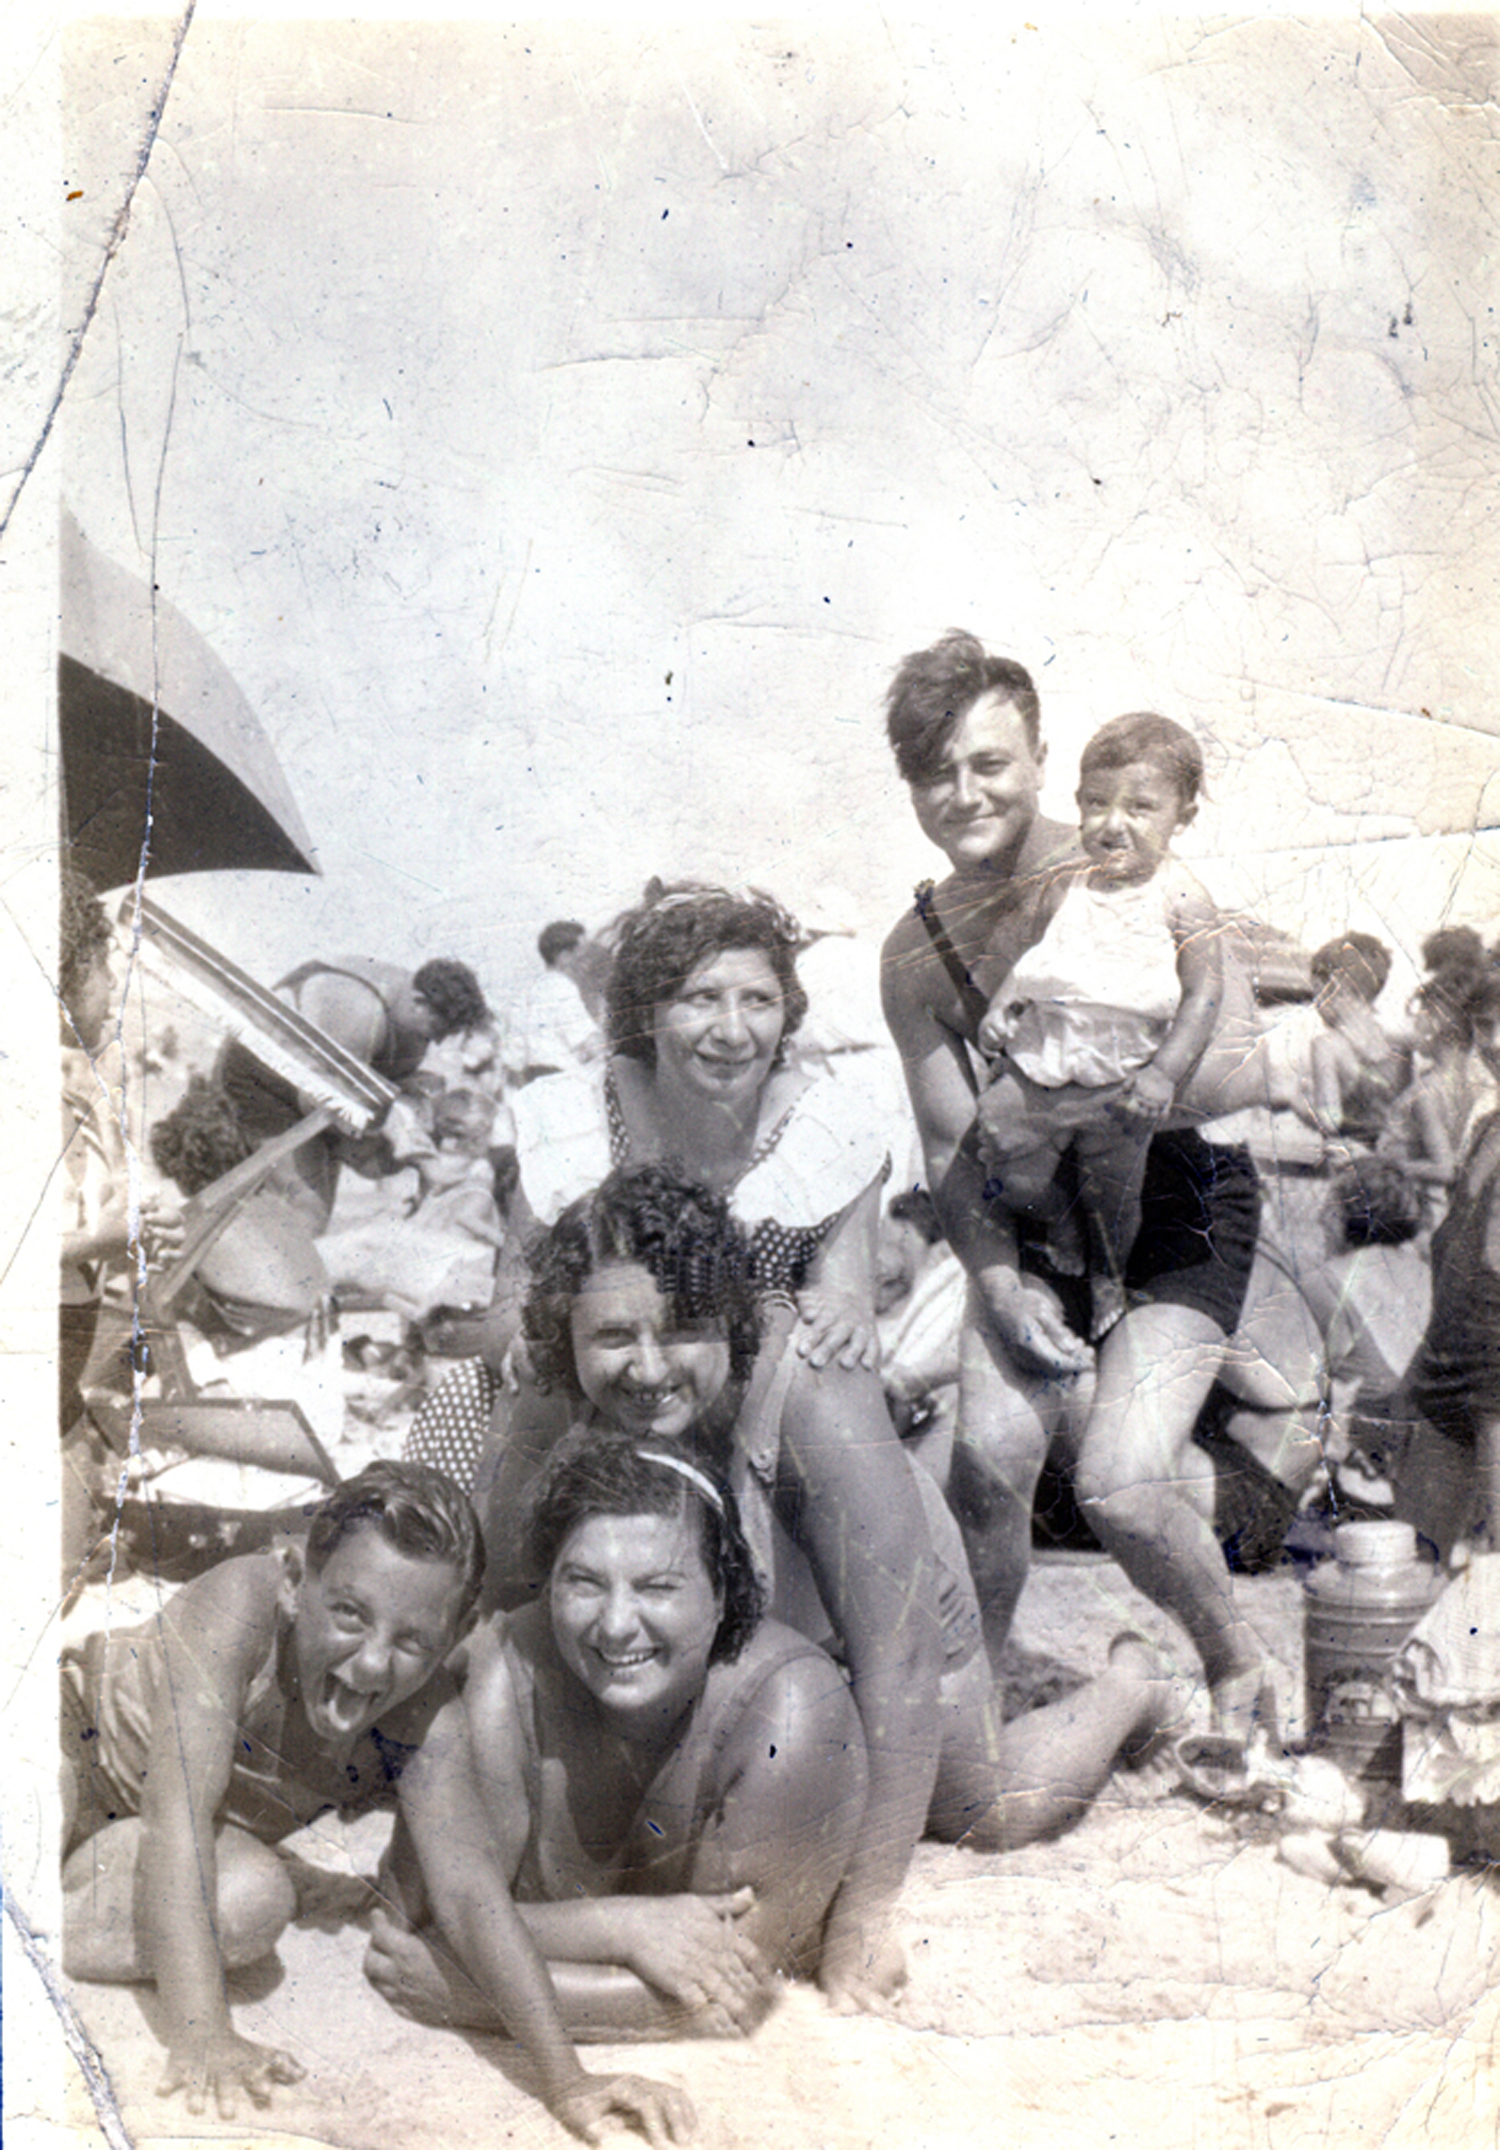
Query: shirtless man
[965, 729]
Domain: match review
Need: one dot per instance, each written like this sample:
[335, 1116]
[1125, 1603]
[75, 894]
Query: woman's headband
[700, 1483]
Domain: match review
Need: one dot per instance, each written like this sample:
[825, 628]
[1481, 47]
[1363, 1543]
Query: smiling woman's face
[634, 1612]
[644, 1371]
[717, 1035]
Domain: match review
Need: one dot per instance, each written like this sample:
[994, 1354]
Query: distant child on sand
[269, 1690]
[1100, 1024]
[458, 1178]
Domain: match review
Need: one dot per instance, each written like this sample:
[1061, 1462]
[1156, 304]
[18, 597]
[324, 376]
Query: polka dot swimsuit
[449, 1430]
[780, 1254]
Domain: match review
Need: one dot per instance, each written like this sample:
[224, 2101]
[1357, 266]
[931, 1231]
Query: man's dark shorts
[1200, 1218]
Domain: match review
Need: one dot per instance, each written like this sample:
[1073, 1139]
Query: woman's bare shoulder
[783, 1690]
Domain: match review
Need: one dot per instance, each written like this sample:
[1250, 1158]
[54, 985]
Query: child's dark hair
[1379, 1205]
[683, 1236]
[591, 1473]
[418, 1510]
[1144, 736]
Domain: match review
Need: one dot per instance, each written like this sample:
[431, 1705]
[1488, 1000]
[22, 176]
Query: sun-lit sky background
[561, 431]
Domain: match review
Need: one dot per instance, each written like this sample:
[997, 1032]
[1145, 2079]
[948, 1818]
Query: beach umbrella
[162, 756]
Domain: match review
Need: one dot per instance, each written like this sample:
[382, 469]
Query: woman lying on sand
[674, 1783]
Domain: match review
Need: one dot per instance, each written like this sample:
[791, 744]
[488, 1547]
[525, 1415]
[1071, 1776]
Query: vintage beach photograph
[755, 778]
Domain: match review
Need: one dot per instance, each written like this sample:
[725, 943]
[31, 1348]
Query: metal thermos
[1360, 1608]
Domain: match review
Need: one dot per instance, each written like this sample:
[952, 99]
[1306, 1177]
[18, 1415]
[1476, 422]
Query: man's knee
[1111, 1494]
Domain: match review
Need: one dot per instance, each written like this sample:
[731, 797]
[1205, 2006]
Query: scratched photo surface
[552, 437]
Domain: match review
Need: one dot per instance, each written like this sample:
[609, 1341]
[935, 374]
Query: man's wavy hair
[681, 1234]
[934, 689]
[591, 1473]
[416, 1509]
[659, 945]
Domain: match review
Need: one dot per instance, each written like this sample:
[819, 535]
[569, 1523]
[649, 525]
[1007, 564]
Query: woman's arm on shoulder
[837, 1299]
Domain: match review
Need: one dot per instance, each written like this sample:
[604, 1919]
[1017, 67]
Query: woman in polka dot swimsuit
[703, 1001]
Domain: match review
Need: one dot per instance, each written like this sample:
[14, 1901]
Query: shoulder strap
[975, 1003]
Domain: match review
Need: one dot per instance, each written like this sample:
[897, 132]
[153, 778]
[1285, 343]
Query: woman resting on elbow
[672, 1782]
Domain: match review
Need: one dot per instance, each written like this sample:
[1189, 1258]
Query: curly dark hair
[419, 1511]
[682, 1235]
[201, 1138]
[84, 933]
[1379, 1205]
[660, 945]
[591, 1473]
[933, 691]
[452, 992]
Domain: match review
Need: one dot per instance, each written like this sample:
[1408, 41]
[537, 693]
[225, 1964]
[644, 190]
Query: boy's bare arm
[216, 1633]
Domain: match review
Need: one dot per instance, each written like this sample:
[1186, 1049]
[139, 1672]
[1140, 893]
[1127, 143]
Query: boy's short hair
[1142, 735]
[594, 1473]
[418, 1510]
[453, 993]
[1362, 962]
[934, 689]
[681, 1234]
[555, 940]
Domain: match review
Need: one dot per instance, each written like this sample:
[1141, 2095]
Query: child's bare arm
[466, 1874]
[1152, 1090]
[215, 1634]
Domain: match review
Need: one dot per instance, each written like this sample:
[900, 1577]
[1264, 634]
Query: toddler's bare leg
[1111, 1172]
